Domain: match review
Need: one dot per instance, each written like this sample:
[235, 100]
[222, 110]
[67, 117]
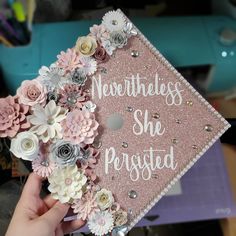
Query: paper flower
[99, 32]
[79, 77]
[100, 223]
[31, 92]
[43, 166]
[118, 39]
[89, 65]
[66, 184]
[100, 54]
[86, 45]
[104, 199]
[85, 206]
[120, 217]
[113, 21]
[69, 60]
[52, 77]
[25, 145]
[72, 97]
[12, 117]
[88, 157]
[108, 47]
[65, 153]
[80, 126]
[52, 95]
[46, 121]
[89, 106]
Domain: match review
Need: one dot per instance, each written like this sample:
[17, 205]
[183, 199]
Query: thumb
[55, 215]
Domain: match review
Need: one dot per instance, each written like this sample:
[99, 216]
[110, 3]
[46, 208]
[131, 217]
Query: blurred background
[197, 37]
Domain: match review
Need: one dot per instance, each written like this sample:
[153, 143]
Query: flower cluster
[51, 122]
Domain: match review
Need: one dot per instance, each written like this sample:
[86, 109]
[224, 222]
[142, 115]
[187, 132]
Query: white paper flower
[46, 121]
[89, 106]
[104, 199]
[89, 65]
[52, 77]
[113, 21]
[66, 184]
[100, 223]
[108, 47]
[25, 146]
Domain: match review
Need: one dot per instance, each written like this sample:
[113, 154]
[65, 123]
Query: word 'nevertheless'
[140, 165]
[138, 86]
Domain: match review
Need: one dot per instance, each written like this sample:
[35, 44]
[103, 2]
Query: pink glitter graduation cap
[111, 124]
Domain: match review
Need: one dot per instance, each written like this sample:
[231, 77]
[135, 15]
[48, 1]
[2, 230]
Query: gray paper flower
[65, 153]
[79, 77]
[118, 39]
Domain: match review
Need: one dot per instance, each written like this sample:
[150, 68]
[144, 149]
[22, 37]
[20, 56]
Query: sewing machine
[203, 48]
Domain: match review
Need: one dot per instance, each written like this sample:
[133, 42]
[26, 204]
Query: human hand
[40, 217]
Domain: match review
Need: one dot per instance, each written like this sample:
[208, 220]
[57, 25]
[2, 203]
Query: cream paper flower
[104, 199]
[25, 146]
[113, 21]
[86, 45]
[66, 184]
[100, 223]
[46, 121]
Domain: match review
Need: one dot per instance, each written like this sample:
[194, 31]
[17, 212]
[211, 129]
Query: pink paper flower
[72, 97]
[32, 92]
[85, 206]
[69, 60]
[80, 127]
[12, 117]
[99, 32]
[43, 166]
[88, 160]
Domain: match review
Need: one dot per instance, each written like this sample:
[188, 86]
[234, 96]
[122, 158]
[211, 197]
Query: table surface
[206, 193]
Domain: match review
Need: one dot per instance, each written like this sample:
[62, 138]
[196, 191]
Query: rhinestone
[71, 100]
[124, 145]
[130, 211]
[134, 53]
[103, 70]
[98, 188]
[88, 187]
[114, 22]
[174, 141]
[97, 144]
[194, 146]
[45, 163]
[132, 194]
[208, 128]
[156, 115]
[178, 121]
[154, 176]
[189, 103]
[130, 109]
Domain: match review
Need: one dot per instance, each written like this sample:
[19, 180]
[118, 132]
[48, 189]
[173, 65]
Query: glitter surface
[184, 123]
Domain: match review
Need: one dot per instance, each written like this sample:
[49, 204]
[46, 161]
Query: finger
[55, 214]
[49, 201]
[71, 226]
[32, 186]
